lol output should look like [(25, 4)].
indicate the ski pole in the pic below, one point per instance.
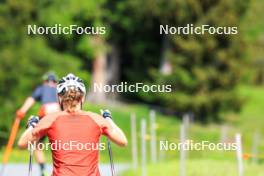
[(30, 158), (33, 120), (10, 144), (111, 157), (107, 114)]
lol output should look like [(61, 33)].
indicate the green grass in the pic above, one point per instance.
[(216, 163), (252, 114), (251, 118)]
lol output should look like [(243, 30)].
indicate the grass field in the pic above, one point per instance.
[(217, 163)]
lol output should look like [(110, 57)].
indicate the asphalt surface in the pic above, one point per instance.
[(22, 169)]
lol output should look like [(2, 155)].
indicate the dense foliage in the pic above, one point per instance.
[(206, 68)]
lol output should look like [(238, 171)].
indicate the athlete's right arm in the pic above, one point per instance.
[(110, 129), (114, 133)]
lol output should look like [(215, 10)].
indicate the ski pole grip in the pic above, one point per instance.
[(106, 114)]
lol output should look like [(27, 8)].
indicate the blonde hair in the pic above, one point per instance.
[(71, 99)]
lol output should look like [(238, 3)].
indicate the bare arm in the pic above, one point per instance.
[(26, 138), (34, 134), (27, 104), (114, 133), (109, 129)]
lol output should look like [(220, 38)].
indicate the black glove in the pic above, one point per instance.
[(106, 113), (32, 121)]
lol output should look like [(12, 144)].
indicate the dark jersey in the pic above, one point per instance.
[(45, 94)]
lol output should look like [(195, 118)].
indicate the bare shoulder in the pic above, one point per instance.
[(53, 116), (96, 117), (93, 114)]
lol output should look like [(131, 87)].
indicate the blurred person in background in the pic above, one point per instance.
[(47, 96), (73, 124)]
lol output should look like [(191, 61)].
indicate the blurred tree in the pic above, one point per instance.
[(253, 30), (24, 59), (204, 70), (90, 48)]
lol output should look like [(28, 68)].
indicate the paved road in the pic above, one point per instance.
[(22, 169)]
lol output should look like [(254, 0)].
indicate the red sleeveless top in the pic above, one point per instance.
[(74, 143)]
